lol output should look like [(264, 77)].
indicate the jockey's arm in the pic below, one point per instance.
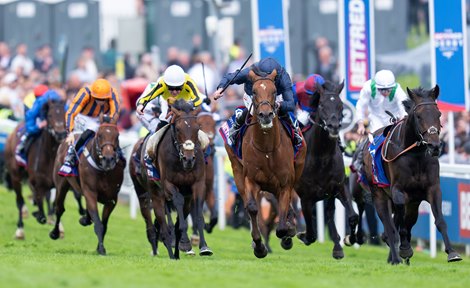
[(114, 105), (288, 103), (151, 92), (78, 103)]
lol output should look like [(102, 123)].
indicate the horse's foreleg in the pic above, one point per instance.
[(61, 192), (145, 210), (383, 207), (251, 206), (38, 196), (107, 210), (309, 236), (199, 190), (411, 216), (436, 206), (210, 201), (338, 252), (92, 208), (286, 227), (19, 234), (163, 229), (78, 198), (345, 197), (399, 201)]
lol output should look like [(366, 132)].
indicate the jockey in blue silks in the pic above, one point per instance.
[(283, 86), (306, 98), (34, 122)]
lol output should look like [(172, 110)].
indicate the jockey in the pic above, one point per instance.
[(377, 96), (306, 98), (283, 86), (175, 84), (34, 122), (30, 98), (83, 116)]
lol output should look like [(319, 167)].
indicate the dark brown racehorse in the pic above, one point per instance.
[(268, 163), (410, 159), (323, 177), (180, 160), (101, 172), (40, 162)]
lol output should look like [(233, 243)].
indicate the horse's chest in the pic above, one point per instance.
[(266, 173)]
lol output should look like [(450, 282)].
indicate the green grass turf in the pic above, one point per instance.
[(39, 261)]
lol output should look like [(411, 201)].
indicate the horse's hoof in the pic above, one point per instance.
[(190, 252), (19, 234), (84, 221), (302, 236), (338, 254), (185, 246), (407, 261), (260, 252), (205, 251), (101, 250), (406, 253), (54, 234), (287, 243), (348, 240), (454, 257), (195, 240)]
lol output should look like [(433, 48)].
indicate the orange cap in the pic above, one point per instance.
[(101, 89)]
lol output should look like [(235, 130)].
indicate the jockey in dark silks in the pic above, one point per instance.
[(283, 85), (35, 120)]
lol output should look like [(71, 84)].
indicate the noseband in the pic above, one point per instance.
[(431, 130), (264, 102), (182, 146)]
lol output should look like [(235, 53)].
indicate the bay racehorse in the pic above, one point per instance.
[(100, 176), (180, 161), (409, 157), (268, 163), (323, 177), (40, 162)]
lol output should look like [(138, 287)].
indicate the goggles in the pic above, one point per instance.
[(175, 88)]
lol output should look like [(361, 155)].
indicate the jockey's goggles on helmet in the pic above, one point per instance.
[(175, 88), (384, 90)]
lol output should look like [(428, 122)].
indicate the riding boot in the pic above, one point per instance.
[(298, 139), (70, 159), (161, 125), (152, 173), (20, 154), (237, 124)]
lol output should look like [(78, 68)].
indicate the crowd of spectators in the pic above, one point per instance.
[(20, 73)]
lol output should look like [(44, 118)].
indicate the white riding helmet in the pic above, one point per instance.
[(384, 79), (174, 76)]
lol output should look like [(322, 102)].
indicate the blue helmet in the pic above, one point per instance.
[(268, 64)]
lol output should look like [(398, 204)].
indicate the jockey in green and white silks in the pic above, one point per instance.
[(378, 95)]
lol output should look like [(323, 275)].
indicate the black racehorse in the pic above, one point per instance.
[(323, 177), (410, 161)]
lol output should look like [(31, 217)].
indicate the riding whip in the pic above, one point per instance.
[(230, 82), (207, 100)]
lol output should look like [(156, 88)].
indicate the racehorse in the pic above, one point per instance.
[(268, 163), (40, 162), (409, 157), (100, 176), (180, 160), (323, 177)]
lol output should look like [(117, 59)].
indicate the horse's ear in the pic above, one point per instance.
[(411, 94), (252, 75), (340, 87), (435, 92), (408, 104), (115, 118), (319, 88), (273, 75)]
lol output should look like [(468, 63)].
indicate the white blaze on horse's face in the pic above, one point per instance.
[(188, 145), (263, 86)]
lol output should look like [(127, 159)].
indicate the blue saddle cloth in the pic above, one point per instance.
[(378, 173), (237, 146)]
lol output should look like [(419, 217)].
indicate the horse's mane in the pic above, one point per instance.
[(183, 105), (419, 92)]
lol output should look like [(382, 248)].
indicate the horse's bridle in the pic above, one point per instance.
[(323, 123), (264, 102), (180, 146), (99, 149), (431, 130)]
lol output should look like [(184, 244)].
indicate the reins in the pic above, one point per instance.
[(431, 130)]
